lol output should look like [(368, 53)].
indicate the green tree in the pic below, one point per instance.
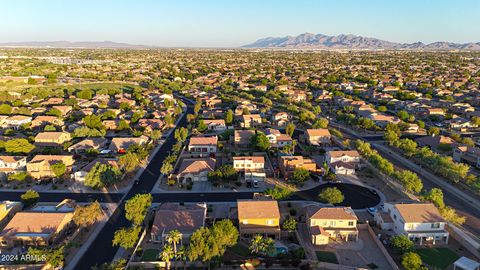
[(435, 196), (181, 134), (55, 257), (166, 255), (290, 224), (262, 245), (278, 193), (260, 142), (5, 109), (201, 126), (58, 168), (119, 264), (85, 94), (137, 207), (93, 121), (320, 123), (166, 168), (102, 175), (433, 131), (402, 243), (126, 237), (174, 237), (18, 146), (30, 197), (411, 261), (300, 175), (54, 112), (331, 195), (410, 181), (290, 129), (229, 117), (87, 215), (129, 162)]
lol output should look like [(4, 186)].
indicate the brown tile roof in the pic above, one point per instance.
[(339, 153), (339, 213), (196, 165), (419, 212), (185, 218), (318, 132), (11, 159), (250, 209), (34, 222), (203, 140), (51, 135)]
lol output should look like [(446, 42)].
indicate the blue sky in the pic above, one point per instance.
[(224, 23)]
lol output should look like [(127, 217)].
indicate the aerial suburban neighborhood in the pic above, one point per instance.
[(300, 152)]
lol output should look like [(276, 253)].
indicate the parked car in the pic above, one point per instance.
[(372, 210)]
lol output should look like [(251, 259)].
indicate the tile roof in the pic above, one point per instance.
[(251, 209)]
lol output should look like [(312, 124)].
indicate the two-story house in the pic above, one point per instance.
[(242, 138), (215, 125), (258, 217), (342, 162), (420, 222), (16, 121), (52, 139), (288, 164), (337, 223), (467, 154), (251, 120), (40, 165), (318, 136), (250, 168), (203, 144), (12, 164), (195, 169)]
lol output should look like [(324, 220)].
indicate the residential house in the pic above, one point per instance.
[(40, 165), (382, 120), (288, 164), (259, 217), (250, 168), (342, 162), (278, 139), (467, 154), (16, 121), (437, 142), (203, 145), (52, 139), (281, 119), (242, 138), (84, 145), (420, 222), (195, 169), (251, 120), (35, 229), (65, 110), (337, 223), (318, 136), (12, 164), (185, 218), (121, 144), (215, 125), (43, 120)]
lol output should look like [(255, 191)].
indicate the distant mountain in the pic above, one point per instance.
[(320, 41), (68, 44)]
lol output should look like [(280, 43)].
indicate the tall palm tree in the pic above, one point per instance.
[(174, 237), (256, 243), (166, 255)]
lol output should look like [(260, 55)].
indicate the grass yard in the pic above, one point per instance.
[(326, 256), (439, 258), (150, 255)]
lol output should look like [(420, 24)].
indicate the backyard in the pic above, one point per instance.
[(439, 258)]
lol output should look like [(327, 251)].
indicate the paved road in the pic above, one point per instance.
[(451, 199), (101, 250)]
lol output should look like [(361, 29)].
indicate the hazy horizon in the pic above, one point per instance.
[(215, 23)]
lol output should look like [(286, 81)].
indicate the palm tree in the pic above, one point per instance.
[(256, 243), (182, 256), (174, 237), (167, 255), (261, 245)]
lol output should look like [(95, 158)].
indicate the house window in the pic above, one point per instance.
[(394, 216), (350, 223), (245, 221), (269, 222), (435, 225)]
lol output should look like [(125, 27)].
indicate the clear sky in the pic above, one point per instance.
[(224, 23)]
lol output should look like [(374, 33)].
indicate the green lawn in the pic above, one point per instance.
[(440, 258), (325, 256), (240, 249), (150, 255)]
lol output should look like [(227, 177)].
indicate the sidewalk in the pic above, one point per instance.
[(111, 207)]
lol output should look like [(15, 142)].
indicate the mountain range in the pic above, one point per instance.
[(68, 44), (320, 41)]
